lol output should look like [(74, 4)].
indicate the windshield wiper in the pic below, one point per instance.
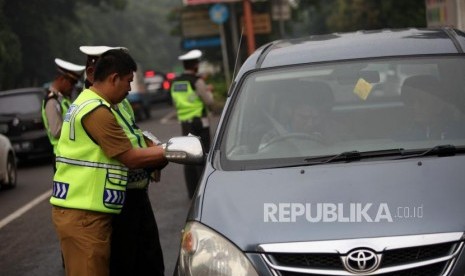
[(348, 156), (440, 150)]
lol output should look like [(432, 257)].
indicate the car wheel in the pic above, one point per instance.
[(11, 171)]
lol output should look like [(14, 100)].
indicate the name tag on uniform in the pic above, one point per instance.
[(180, 87), (70, 112)]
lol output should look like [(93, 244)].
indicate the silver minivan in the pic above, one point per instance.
[(338, 154)]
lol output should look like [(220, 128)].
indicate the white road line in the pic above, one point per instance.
[(16, 214)]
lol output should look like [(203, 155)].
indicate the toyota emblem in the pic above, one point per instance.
[(361, 261)]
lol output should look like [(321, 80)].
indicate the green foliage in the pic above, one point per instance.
[(327, 16), (143, 27), (34, 32), (40, 30), (220, 91), (10, 53), (352, 15)]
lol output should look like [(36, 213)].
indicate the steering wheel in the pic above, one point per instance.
[(293, 135)]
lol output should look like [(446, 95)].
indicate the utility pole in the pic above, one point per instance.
[(249, 26)]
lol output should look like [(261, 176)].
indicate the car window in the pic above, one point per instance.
[(23, 103), (325, 109), (154, 82)]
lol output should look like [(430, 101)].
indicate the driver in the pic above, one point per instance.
[(311, 104)]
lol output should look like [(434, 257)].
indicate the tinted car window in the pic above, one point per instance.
[(20, 103), (325, 109)]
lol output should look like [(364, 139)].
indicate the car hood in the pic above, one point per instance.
[(356, 200)]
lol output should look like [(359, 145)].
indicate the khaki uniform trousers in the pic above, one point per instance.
[(84, 239)]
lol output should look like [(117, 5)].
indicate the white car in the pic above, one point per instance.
[(7, 163)]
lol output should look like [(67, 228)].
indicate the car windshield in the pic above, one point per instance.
[(23, 103), (305, 111)]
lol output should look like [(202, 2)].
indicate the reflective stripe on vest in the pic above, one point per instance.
[(137, 178), (92, 180)]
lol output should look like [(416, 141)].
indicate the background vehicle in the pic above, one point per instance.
[(21, 120), (158, 85), (139, 98), (358, 191), (7, 163)]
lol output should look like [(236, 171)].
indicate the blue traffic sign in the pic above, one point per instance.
[(188, 44), (219, 13)]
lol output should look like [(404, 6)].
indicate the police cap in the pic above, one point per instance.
[(93, 52), (191, 55), (69, 69)]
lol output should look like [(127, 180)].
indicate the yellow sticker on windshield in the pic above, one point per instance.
[(363, 89)]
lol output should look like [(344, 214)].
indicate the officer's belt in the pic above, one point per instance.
[(138, 179)]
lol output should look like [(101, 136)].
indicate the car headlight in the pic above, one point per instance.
[(205, 252), (15, 122)]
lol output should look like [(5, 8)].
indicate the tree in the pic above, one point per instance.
[(352, 15), (143, 27), (10, 53), (327, 16), (41, 31)]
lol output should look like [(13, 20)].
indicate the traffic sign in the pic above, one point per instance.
[(219, 13), (195, 43)]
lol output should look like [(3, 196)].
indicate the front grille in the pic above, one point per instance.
[(416, 254), (320, 261), (423, 258), (428, 270)]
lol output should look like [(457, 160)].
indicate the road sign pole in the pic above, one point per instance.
[(219, 14), (224, 52)]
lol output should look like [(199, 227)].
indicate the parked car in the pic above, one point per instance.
[(139, 98), (7, 163), (347, 186), (158, 85), (21, 122)]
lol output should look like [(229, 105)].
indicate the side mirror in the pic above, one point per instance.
[(185, 150)]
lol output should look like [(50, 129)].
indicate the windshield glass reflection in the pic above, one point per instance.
[(327, 109)]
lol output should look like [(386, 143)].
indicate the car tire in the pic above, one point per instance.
[(11, 172)]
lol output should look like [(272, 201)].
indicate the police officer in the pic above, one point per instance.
[(93, 53), (94, 154), (135, 244), (192, 97), (58, 99)]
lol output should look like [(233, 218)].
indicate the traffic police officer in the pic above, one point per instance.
[(93, 53), (135, 244), (191, 97), (94, 154), (58, 99)]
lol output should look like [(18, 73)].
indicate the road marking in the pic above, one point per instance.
[(16, 214)]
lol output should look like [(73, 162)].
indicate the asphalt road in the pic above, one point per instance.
[(28, 241)]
